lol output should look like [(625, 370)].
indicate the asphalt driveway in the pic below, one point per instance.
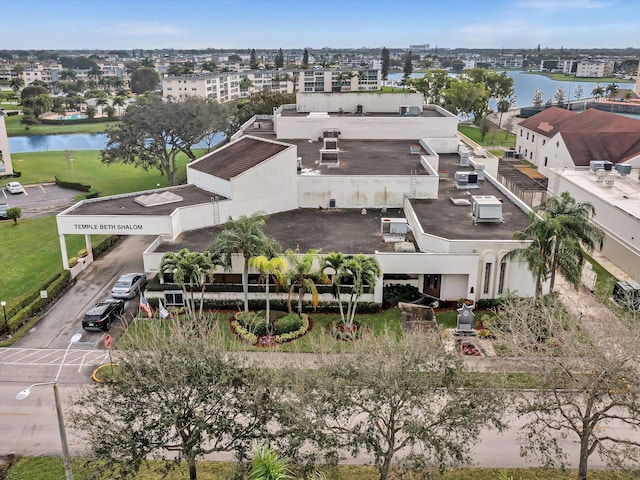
[(40, 200)]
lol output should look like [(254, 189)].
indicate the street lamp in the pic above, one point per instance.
[(4, 310), (63, 434)]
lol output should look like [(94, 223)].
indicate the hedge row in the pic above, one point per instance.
[(51, 121), (73, 185), (32, 304)]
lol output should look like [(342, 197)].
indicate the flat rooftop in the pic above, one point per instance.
[(425, 113), (624, 193), (326, 230), (362, 157), (126, 204), (441, 217)]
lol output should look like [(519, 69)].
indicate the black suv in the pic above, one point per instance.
[(103, 314)]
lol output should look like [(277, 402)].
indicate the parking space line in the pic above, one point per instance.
[(42, 188)]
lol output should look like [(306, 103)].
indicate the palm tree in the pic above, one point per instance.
[(94, 73), (68, 75), (91, 112), (334, 262), (612, 91), (290, 78), (574, 233), (188, 268), (102, 102), (119, 102), (269, 267), (362, 271), (597, 92), (560, 232), (244, 236), (111, 113), (16, 84), (301, 276)]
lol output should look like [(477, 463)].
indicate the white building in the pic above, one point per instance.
[(563, 144), (6, 168), (594, 69), (227, 86), (383, 175)]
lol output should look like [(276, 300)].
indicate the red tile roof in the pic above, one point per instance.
[(238, 157), (591, 135)]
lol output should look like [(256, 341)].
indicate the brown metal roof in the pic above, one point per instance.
[(546, 122), (238, 157), (615, 147)]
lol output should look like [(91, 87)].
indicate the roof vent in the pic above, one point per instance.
[(480, 170), (600, 174), (609, 180)]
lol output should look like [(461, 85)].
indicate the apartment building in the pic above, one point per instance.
[(594, 69), (227, 86)]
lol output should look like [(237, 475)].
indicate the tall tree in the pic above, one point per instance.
[(587, 383), (185, 396), (597, 92), (305, 59), (245, 236), (385, 61), (407, 68), (537, 98), (360, 272), (394, 394), (153, 132), (253, 60), (144, 79), (279, 61), (16, 84)]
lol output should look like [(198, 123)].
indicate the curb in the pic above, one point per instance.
[(94, 375)]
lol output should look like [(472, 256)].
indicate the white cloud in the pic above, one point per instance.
[(140, 29)]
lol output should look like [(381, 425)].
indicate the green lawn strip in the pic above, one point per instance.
[(570, 77), (86, 168), (46, 468), (30, 255), (15, 128), (502, 137)]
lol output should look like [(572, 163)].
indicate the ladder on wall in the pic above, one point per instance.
[(216, 210), (413, 184)]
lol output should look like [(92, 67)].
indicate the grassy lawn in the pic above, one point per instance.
[(30, 255), (14, 128), (572, 78), (501, 138), (316, 339), (113, 179), (45, 468)]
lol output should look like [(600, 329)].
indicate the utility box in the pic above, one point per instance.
[(486, 209)]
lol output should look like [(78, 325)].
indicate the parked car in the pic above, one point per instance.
[(14, 187), (129, 285), (103, 314), (3, 209)]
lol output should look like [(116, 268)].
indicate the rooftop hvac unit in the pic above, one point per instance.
[(480, 170), (330, 144), (609, 180), (299, 163), (594, 165), (409, 111), (330, 133), (466, 180), (404, 247), (600, 174), (623, 169), (486, 209)]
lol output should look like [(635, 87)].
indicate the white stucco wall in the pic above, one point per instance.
[(368, 127), (6, 167), (371, 102), (207, 182), (622, 228), (361, 191), (270, 186)]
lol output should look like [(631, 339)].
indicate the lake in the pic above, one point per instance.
[(78, 141), (525, 85)]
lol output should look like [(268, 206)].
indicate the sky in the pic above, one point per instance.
[(261, 24)]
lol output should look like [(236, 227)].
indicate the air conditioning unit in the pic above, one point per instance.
[(594, 165), (480, 170), (409, 111), (466, 180), (464, 157), (486, 209), (623, 169)]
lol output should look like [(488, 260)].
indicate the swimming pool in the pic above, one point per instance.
[(75, 116)]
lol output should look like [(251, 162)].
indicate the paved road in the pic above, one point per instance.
[(62, 320)]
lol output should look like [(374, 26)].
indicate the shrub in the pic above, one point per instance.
[(83, 253), (392, 294), (73, 185), (252, 322), (92, 195), (287, 324), (73, 261)]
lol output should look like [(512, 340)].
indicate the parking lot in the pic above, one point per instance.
[(40, 199)]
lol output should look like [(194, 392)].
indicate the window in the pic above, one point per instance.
[(544, 141), (546, 159), (487, 278), (527, 135), (531, 155), (173, 297), (503, 271), (557, 144), (533, 137)]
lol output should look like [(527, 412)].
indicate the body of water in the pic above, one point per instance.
[(526, 84), (78, 141)]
